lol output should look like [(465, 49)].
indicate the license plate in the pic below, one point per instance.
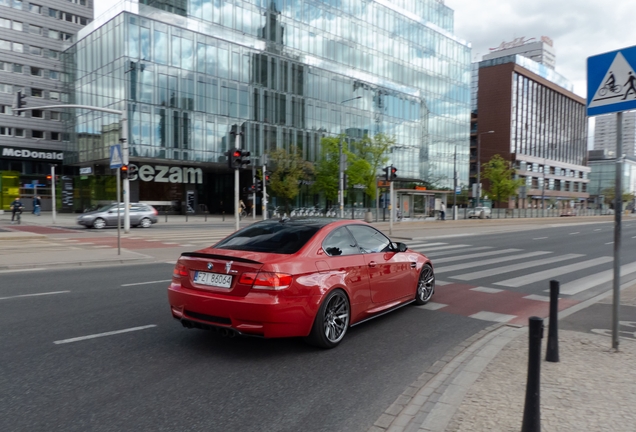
[(213, 279)]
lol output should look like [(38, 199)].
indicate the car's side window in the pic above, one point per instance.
[(340, 243), (369, 239)]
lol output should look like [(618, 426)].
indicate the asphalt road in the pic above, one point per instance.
[(166, 377)]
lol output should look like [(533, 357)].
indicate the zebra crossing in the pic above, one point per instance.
[(506, 285), (185, 238)]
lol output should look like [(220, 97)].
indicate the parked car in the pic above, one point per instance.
[(310, 278), (142, 215), (477, 213)]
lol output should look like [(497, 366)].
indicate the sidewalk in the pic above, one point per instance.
[(480, 385)]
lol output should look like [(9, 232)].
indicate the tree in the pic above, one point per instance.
[(500, 175), (610, 194), (373, 151), (288, 169), (326, 169)]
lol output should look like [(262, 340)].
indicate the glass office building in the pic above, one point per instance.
[(286, 72)]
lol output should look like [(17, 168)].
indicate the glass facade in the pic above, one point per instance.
[(288, 72)]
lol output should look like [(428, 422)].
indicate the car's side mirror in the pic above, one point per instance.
[(399, 247)]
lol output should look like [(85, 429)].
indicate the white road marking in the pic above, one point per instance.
[(578, 232), (537, 297), (492, 316), (472, 249), (547, 274), (432, 306), (514, 267), (609, 243), (598, 229), (81, 338), (171, 262), (477, 255), (587, 282), (438, 248), (487, 290), (34, 295), (488, 261), (185, 245), (22, 270), (146, 283), (539, 238)]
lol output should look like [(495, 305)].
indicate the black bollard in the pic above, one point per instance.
[(531, 411), (166, 212), (552, 353), (223, 213)]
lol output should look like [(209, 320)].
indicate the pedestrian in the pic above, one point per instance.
[(442, 212), (37, 203), (16, 207)]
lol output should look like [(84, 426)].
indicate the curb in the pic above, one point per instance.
[(430, 403), (93, 263)]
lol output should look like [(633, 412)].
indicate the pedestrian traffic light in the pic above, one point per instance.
[(387, 175), (243, 158), (19, 101), (124, 171), (393, 173), (237, 158)]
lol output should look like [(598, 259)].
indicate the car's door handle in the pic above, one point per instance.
[(372, 264), (413, 264)]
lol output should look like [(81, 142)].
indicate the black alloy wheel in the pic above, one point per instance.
[(425, 285), (332, 321)]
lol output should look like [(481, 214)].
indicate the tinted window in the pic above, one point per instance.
[(369, 239), (271, 238), (340, 242)]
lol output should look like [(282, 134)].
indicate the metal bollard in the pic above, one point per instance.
[(223, 213), (552, 353), (206, 216), (166, 212), (531, 411)]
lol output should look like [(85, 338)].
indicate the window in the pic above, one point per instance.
[(17, 68), (19, 133), (35, 51), (54, 75), (5, 44), (37, 134), (17, 26), (83, 21), (37, 92), (35, 8), (54, 95), (54, 54), (6, 88), (66, 36), (6, 23), (55, 136), (340, 242), (37, 113), (5, 131), (6, 109), (17, 4), (54, 34), (53, 13), (33, 29), (56, 115), (274, 237), (36, 71), (18, 47), (5, 67), (369, 239)]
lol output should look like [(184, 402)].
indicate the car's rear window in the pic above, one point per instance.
[(277, 238)]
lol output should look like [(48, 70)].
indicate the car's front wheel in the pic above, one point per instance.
[(145, 223), (332, 321), (99, 223), (425, 285)]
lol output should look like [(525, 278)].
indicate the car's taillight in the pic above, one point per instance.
[(179, 270), (154, 210), (266, 280)]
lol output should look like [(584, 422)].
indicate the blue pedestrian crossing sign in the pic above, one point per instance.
[(116, 161), (611, 82)]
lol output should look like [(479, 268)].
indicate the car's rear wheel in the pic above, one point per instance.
[(425, 285), (99, 223), (332, 321), (145, 223)]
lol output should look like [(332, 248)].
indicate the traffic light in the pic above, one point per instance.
[(387, 175), (237, 158), (124, 171), (393, 173), (49, 179), (19, 101), (266, 178)]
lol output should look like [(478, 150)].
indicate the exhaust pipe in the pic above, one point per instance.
[(227, 333)]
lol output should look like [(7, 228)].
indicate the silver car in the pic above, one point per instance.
[(142, 215), (479, 212)]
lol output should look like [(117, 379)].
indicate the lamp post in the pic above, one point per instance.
[(341, 164), (479, 164)]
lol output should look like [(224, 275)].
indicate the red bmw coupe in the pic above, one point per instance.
[(312, 278)]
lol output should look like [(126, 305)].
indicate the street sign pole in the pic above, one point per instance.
[(53, 193), (124, 155), (391, 208), (618, 201), (236, 186), (118, 211)]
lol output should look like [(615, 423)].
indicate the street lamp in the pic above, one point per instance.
[(341, 165), (479, 164)]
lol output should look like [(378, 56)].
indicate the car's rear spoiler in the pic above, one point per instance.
[(219, 257)]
